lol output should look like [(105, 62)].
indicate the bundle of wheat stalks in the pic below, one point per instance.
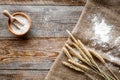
[(87, 62)]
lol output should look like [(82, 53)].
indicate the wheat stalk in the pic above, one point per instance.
[(72, 66), (72, 37), (81, 52), (67, 53), (81, 45), (95, 54), (78, 56), (86, 56), (77, 69), (111, 72), (103, 61), (74, 53), (83, 67)]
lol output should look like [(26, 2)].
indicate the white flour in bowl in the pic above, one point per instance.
[(22, 28)]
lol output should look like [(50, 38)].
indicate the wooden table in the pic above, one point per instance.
[(30, 57)]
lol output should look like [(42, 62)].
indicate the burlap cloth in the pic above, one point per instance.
[(98, 28)]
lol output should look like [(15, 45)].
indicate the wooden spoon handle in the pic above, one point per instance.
[(6, 13)]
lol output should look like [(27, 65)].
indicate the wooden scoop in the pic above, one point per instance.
[(12, 19)]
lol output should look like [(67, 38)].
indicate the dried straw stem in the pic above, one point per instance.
[(91, 77), (100, 58), (78, 56), (111, 72)]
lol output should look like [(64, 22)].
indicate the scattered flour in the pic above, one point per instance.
[(101, 29)]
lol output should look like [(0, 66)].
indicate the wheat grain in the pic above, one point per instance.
[(77, 69), (73, 38), (73, 52), (82, 53), (86, 57), (81, 45), (72, 66), (67, 53), (78, 56), (83, 67), (103, 61), (97, 56)]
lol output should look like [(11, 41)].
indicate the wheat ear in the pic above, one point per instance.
[(103, 61), (77, 69), (72, 66), (111, 72), (81, 45), (74, 53), (78, 56), (81, 52), (83, 67), (67, 53), (95, 54), (72, 37)]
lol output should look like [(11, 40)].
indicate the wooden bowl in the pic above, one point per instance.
[(28, 20)]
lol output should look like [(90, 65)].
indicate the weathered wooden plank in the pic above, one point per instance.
[(47, 21), (32, 53), (44, 2), (27, 63), (22, 74), (30, 57), (31, 44), (34, 57)]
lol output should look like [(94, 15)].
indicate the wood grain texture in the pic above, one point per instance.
[(30, 53), (30, 57), (28, 63), (22, 74), (47, 21), (44, 2)]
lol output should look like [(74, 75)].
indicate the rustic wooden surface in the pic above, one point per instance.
[(44, 2), (30, 57)]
